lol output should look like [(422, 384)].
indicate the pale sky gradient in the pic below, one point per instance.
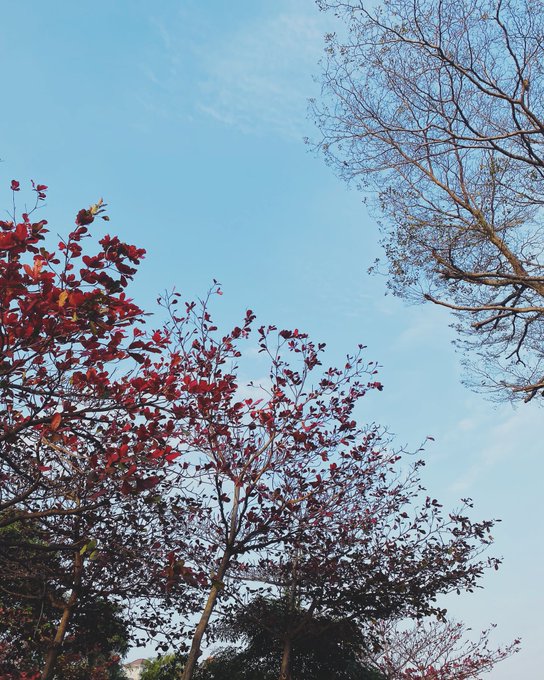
[(188, 117)]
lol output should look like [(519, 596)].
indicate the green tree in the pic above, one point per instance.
[(163, 667), (96, 644), (324, 648)]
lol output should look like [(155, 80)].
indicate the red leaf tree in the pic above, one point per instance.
[(137, 469), (382, 550), (286, 480), (76, 429), (435, 650)]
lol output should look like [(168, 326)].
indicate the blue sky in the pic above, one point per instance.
[(188, 118)]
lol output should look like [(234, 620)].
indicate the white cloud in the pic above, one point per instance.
[(498, 437), (255, 76), (259, 78), (425, 322)]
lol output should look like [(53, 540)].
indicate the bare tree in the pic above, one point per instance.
[(439, 106), (434, 650)]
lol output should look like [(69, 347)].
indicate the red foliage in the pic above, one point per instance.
[(435, 650), (142, 460), (283, 469), (78, 423), (64, 335)]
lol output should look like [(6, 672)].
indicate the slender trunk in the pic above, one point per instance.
[(54, 649), (194, 652), (217, 585), (285, 670)]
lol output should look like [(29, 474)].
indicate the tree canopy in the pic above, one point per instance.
[(142, 486), (321, 648), (436, 108)]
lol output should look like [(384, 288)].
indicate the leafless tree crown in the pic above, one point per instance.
[(437, 106)]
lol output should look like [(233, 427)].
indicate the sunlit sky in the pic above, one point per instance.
[(188, 117)]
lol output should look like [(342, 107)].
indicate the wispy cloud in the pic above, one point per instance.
[(259, 78), (254, 75), (498, 438), (426, 322)]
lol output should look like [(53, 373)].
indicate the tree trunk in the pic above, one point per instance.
[(194, 652), (217, 585), (54, 649), (285, 670)]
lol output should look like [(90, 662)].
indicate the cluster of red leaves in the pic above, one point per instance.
[(14, 664), (435, 650), (80, 426), (64, 322), (289, 470), (467, 668)]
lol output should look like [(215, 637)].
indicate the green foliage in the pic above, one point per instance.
[(232, 664), (27, 591), (163, 667), (322, 647)]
